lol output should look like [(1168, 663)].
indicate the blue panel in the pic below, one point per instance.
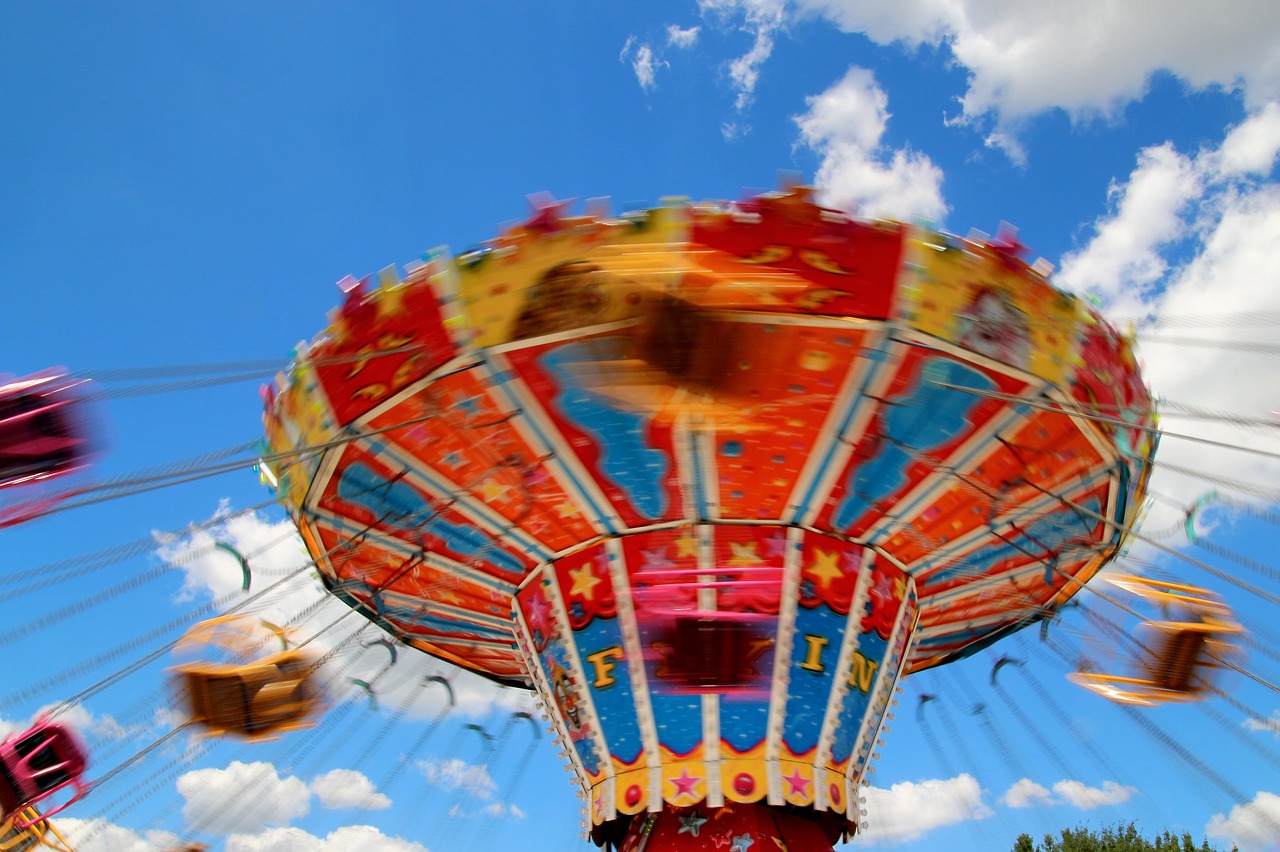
[(1043, 537), (873, 648), (679, 721), (927, 417), (811, 687), (401, 506), (743, 721), (613, 697), (625, 458), (556, 661)]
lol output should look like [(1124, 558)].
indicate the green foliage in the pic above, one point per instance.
[(1117, 838)]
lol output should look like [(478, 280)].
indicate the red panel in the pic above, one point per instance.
[(837, 267), (456, 427), (786, 386), (378, 344)]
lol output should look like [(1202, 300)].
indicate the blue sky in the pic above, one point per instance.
[(182, 183)]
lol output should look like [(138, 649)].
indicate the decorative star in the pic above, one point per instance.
[(686, 783), (656, 559), (722, 840), (692, 823), (390, 299), (742, 843), (882, 594), (584, 582), (798, 783), (566, 509), (538, 610), (547, 212), (468, 404), (743, 554), (686, 545), (491, 490), (824, 566), (775, 545), (852, 561)]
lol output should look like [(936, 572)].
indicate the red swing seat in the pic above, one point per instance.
[(41, 435), (35, 765)]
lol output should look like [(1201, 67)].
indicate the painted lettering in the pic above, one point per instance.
[(603, 662), (813, 659)]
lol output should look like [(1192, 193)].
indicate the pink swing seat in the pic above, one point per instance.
[(38, 763)]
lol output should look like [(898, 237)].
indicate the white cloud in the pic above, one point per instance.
[(1123, 260), (493, 810), (1251, 147), (1087, 798), (272, 550), (1088, 59), (1188, 251), (1253, 827), (677, 37), (845, 126), (909, 810), (98, 835), (243, 798), (347, 788), (644, 64), (454, 774), (365, 838), (1026, 794)]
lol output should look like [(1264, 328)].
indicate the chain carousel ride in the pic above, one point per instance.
[(712, 479)]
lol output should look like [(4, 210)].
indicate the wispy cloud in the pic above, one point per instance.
[(683, 39), (457, 774)]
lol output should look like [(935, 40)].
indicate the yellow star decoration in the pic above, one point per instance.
[(493, 490), (566, 509), (743, 554), (900, 589), (390, 300), (824, 567), (687, 545), (584, 582)]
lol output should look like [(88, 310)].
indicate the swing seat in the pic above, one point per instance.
[(1179, 662), (257, 700), (35, 765), (40, 432)]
